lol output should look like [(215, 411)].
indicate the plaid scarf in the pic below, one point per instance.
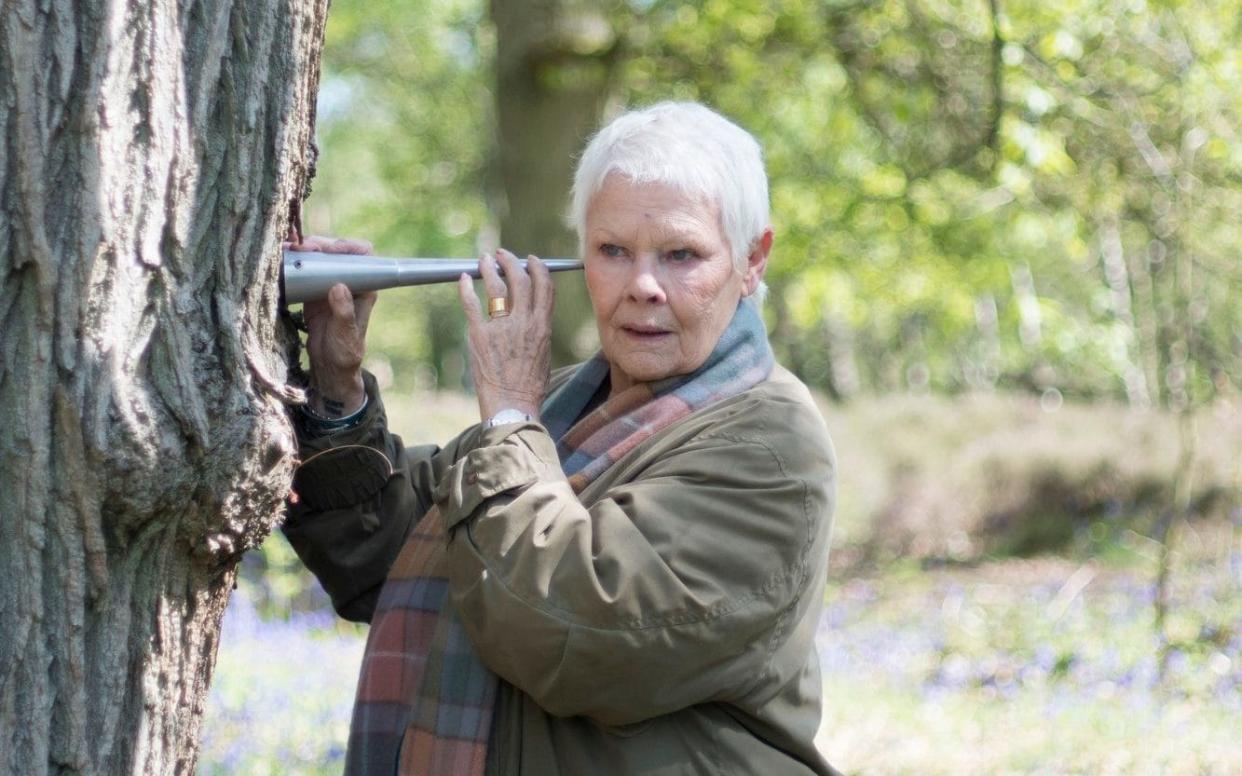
[(425, 700)]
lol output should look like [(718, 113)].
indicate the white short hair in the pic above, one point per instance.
[(689, 147)]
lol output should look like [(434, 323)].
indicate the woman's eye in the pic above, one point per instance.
[(681, 254), (608, 249)]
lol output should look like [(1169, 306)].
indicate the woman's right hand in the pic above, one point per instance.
[(336, 341)]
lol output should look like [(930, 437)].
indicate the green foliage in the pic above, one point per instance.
[(946, 175), (967, 194), (404, 132)]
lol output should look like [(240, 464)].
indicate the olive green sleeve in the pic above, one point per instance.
[(676, 588), (357, 493)]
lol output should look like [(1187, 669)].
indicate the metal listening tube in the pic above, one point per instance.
[(306, 276)]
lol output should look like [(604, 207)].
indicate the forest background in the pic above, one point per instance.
[(1007, 241)]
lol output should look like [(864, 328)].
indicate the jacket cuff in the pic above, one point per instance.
[(373, 414), (345, 468), (504, 458)]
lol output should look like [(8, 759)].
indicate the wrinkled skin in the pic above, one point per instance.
[(336, 341), (661, 278)]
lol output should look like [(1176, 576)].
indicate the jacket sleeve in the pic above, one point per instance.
[(676, 588), (358, 492)]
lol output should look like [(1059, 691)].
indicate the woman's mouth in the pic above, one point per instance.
[(645, 332)]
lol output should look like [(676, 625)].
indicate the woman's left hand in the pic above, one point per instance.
[(510, 355)]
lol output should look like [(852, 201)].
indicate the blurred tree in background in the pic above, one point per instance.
[(556, 61), (967, 195)]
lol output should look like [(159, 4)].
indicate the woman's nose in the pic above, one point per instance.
[(644, 283)]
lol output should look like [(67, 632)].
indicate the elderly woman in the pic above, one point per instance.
[(621, 568)]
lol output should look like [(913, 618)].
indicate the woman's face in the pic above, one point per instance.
[(661, 279)]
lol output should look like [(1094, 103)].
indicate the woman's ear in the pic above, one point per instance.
[(757, 262)]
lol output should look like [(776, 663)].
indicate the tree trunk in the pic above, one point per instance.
[(555, 61), (150, 152)]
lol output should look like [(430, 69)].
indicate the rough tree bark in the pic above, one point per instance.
[(149, 153), (555, 62)]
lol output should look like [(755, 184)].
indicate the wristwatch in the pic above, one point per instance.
[(507, 416)]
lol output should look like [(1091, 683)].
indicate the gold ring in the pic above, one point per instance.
[(497, 307)]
